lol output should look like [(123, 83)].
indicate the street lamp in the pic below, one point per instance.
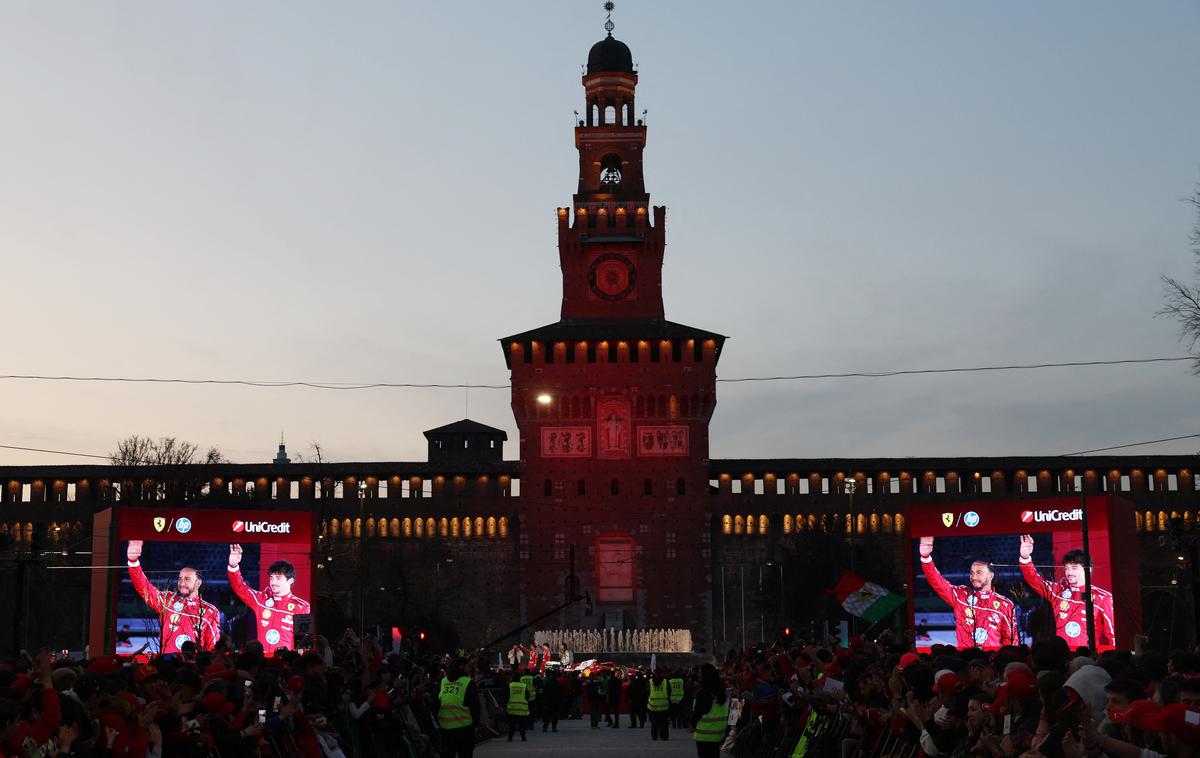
[(780, 565)]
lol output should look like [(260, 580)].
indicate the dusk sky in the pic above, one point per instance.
[(365, 192)]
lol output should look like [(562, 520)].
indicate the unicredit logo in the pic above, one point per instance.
[(1040, 517), (262, 527)]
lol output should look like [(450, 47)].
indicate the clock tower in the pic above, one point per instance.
[(613, 401)]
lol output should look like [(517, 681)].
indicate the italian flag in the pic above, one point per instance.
[(864, 599)]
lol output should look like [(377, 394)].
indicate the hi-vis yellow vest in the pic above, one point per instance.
[(658, 697), (711, 726), (452, 710), (517, 704), (676, 691), (530, 692)]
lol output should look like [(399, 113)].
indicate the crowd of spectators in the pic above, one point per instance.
[(869, 698), (880, 699), (340, 699)]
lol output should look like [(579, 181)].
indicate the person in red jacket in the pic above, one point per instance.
[(183, 615), (275, 608), (982, 616), (1066, 596), (17, 735)]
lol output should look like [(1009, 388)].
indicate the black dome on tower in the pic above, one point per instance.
[(610, 54)]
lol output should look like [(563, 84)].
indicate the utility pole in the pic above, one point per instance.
[(362, 560), (1089, 606), (742, 571)]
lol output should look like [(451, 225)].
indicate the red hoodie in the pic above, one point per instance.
[(39, 731)]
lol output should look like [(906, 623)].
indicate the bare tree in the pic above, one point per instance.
[(1181, 301), (136, 450)]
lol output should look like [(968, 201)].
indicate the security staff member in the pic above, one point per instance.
[(710, 714), (657, 705), (517, 709), (675, 698), (457, 711)]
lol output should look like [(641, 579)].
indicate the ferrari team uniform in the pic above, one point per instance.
[(1070, 609), (274, 615), (182, 619), (982, 618)]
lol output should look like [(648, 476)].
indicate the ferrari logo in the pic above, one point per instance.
[(160, 523), (947, 519)]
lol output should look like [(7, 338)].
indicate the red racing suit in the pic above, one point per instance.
[(982, 618), (274, 615), (1070, 610), (182, 619)]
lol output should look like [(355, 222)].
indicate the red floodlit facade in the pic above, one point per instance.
[(613, 401)]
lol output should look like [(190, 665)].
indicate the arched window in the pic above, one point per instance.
[(371, 527), (466, 530), (581, 488), (444, 527), (680, 487), (625, 114), (395, 528), (763, 524), (787, 523), (614, 487), (491, 526), (454, 527), (610, 114), (504, 526), (647, 487), (346, 528), (899, 521), (420, 531), (383, 527), (727, 524), (610, 170), (478, 526), (408, 527), (751, 524), (595, 115), (739, 525)]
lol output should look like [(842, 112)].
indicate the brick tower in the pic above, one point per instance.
[(613, 401)]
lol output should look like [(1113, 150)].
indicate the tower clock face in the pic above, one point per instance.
[(612, 276)]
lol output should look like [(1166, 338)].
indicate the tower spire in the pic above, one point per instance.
[(608, 23)]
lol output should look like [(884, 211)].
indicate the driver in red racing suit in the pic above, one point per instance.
[(183, 616), (982, 616), (275, 607), (1067, 597)]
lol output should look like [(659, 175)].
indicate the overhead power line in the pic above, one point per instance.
[(1077, 452), (53, 452), (471, 386), (1134, 444), (954, 370)]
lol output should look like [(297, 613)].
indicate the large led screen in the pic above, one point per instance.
[(192, 576), (988, 574)]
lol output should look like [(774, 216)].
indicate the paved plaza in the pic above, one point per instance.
[(577, 738)]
